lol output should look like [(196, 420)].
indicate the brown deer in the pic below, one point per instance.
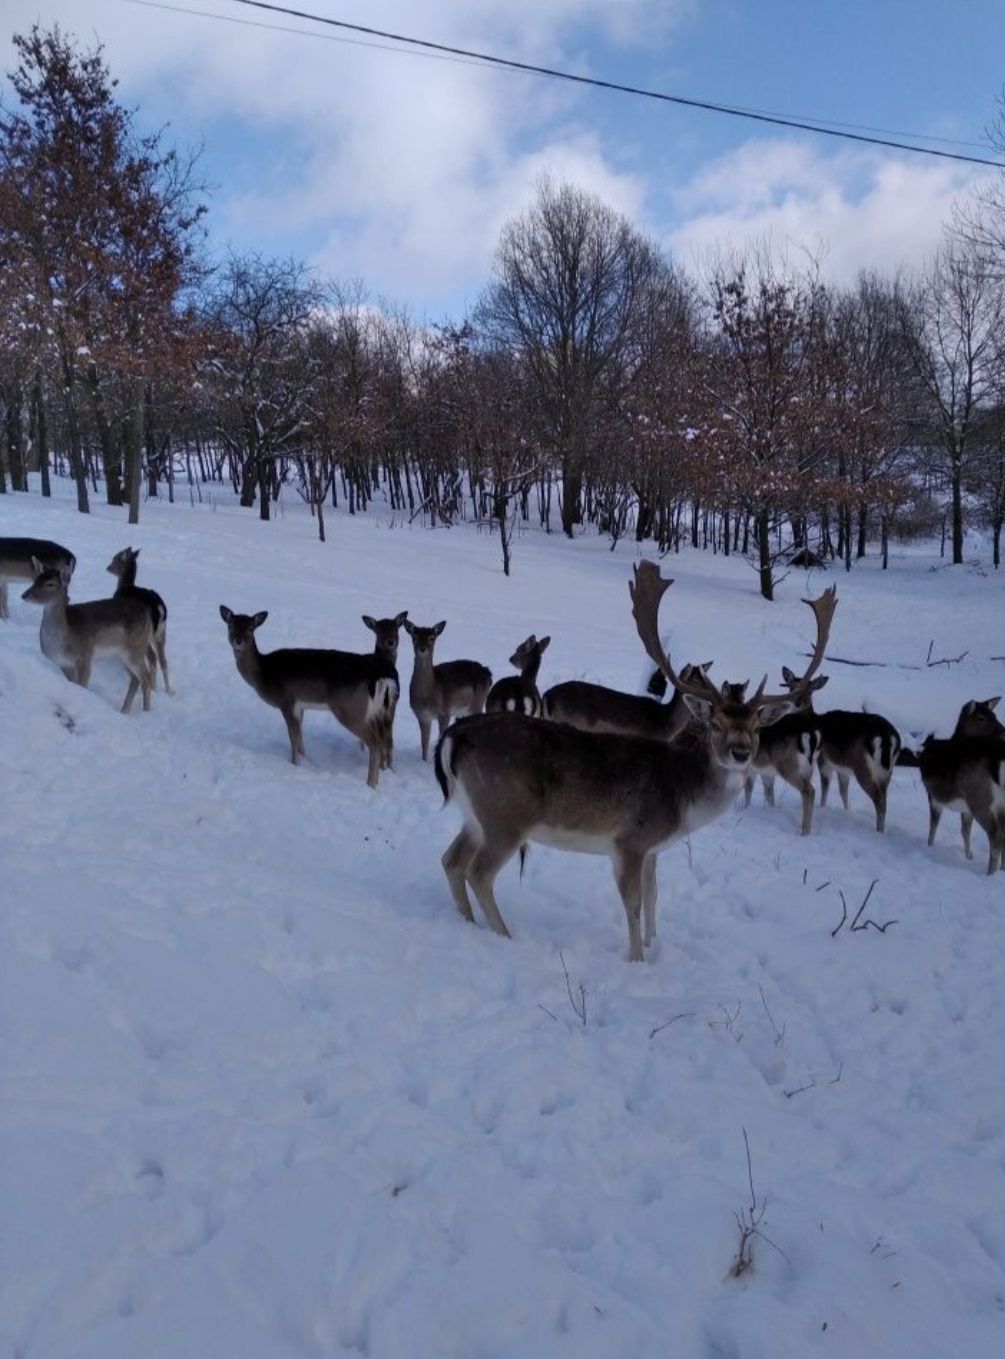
[(123, 568), (73, 634), (18, 557), (517, 779), (860, 745), (519, 693), (360, 691), (595, 707), (385, 644), (788, 749), (965, 773), (443, 691)]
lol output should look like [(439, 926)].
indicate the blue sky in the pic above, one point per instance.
[(400, 170)]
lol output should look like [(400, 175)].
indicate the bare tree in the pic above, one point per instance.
[(570, 278), (952, 321)]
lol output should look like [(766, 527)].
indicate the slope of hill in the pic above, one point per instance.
[(266, 1095)]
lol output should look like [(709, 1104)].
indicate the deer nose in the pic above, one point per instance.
[(741, 754)]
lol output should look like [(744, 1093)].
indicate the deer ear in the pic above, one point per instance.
[(370, 623), (698, 707), (135, 551), (409, 628), (543, 644), (439, 627), (819, 682), (65, 572), (771, 712), (37, 566), (992, 703), (787, 675), (225, 613), (259, 618), (400, 618)]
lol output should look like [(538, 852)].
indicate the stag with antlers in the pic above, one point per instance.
[(518, 779)]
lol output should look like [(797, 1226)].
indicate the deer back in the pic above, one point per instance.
[(17, 556)]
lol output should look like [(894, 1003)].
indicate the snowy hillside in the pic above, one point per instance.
[(265, 1095)]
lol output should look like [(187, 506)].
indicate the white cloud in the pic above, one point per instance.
[(858, 208), (406, 168)]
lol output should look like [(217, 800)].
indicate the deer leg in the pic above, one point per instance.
[(82, 675), (843, 781), (875, 791), (456, 862), (996, 842), (152, 662), (768, 784), (966, 826), (4, 610), (825, 780), (295, 731), (482, 872), (934, 816), (70, 671), (424, 729), (649, 898), (134, 684), (627, 867), (748, 790), (161, 644), (375, 747)]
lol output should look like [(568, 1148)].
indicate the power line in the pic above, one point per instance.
[(487, 62), (596, 82)]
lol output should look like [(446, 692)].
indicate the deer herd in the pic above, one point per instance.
[(581, 767)]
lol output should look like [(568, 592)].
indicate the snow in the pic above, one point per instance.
[(265, 1094)]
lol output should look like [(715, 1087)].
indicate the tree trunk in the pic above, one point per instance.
[(263, 490), (77, 464), (106, 438), (764, 554), (572, 494), (133, 441), (41, 436), (957, 491), (863, 515)]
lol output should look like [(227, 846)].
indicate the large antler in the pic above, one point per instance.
[(823, 610), (647, 589)]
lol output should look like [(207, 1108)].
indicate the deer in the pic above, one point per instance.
[(519, 693), (863, 745), (788, 749), (123, 568), (595, 707), (386, 632), (518, 779), (385, 644), (444, 691), (359, 690), (964, 773), (73, 634), (17, 563)]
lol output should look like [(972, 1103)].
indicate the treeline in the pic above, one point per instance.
[(753, 410)]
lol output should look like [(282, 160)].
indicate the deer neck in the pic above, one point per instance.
[(530, 671), (423, 685), (249, 665), (55, 626), (127, 577)]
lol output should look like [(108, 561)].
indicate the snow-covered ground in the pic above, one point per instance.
[(265, 1095)]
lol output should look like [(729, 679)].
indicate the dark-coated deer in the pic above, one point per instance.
[(519, 693), (385, 644), (72, 635), (445, 691), (863, 746), (360, 691), (123, 568), (788, 749), (965, 774), (18, 557), (517, 779), (595, 707)]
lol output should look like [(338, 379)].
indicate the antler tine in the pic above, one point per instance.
[(647, 588), (823, 610)]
